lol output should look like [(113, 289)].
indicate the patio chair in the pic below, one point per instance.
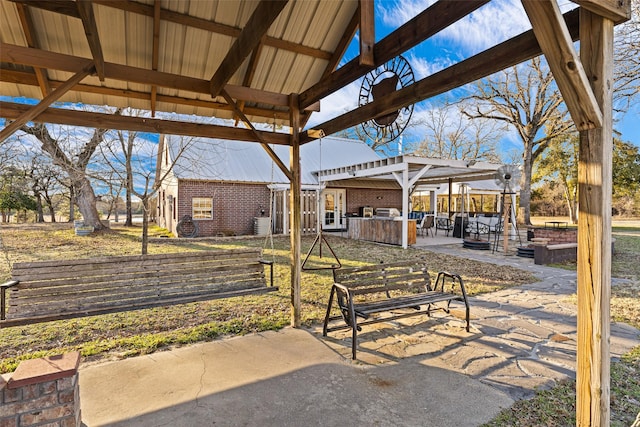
[(444, 223), (426, 224)]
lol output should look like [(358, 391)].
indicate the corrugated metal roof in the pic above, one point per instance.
[(240, 161), (125, 30)]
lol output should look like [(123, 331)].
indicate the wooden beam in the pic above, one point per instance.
[(257, 26), (64, 7), (367, 33), (141, 124), (85, 10), (428, 23), (25, 78), (214, 27), (251, 71), (270, 152), (34, 111), (155, 53), (554, 39), (504, 55), (57, 61), (296, 213), (616, 10), (338, 53), (594, 230), (29, 30)]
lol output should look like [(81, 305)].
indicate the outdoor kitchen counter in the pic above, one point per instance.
[(382, 230)]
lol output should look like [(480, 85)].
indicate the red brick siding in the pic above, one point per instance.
[(358, 197), (557, 236), (235, 205)]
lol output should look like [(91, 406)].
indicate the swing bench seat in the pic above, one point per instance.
[(63, 289)]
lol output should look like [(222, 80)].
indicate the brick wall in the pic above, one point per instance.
[(235, 205), (358, 197), (42, 392), (556, 235)]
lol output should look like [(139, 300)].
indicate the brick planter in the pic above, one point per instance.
[(42, 392)]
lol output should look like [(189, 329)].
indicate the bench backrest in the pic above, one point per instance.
[(66, 288), (404, 275)]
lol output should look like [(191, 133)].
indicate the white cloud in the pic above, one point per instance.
[(336, 104), (492, 23), (423, 67), (396, 13)]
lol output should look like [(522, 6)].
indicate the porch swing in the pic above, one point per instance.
[(320, 239)]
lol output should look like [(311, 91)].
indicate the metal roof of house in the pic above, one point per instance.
[(241, 161)]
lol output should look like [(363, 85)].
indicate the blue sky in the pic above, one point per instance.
[(472, 35)]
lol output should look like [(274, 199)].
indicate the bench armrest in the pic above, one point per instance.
[(3, 296), (270, 264), (455, 278)]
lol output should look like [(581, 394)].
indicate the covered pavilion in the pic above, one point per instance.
[(274, 60)]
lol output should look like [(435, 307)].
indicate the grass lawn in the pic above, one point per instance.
[(132, 333), (121, 335)]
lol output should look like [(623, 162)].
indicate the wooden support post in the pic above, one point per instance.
[(405, 206), (296, 215), (594, 229), (367, 33)]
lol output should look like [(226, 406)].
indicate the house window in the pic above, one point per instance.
[(202, 208)]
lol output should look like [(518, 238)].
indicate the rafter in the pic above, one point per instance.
[(274, 157), (67, 7), (564, 62), (499, 57), (617, 10), (57, 61), (425, 25), (141, 124), (85, 10), (34, 111), (29, 34), (155, 52), (256, 27), (251, 71), (338, 54), (367, 33), (25, 78), (215, 27)]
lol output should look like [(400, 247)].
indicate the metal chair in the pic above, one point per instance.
[(443, 223), (426, 224)]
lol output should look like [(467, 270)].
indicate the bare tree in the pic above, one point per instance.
[(75, 166), (452, 135), (627, 60), (131, 161), (558, 166), (526, 99)]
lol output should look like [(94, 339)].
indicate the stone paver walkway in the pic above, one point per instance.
[(521, 339)]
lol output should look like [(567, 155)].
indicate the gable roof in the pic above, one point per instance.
[(242, 161)]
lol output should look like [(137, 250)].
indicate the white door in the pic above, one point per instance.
[(332, 207)]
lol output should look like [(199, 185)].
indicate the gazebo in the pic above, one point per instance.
[(274, 60)]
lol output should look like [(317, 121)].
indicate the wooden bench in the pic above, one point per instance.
[(63, 289), (401, 289)]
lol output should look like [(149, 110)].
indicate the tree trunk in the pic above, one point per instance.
[(72, 203), (86, 200), (129, 209), (525, 185), (52, 212), (39, 209), (145, 225)]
